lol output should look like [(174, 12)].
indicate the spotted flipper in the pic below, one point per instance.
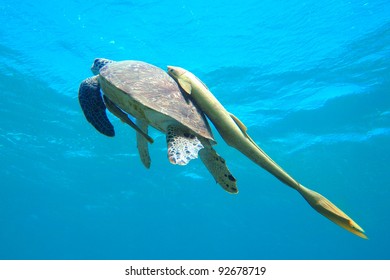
[(93, 107), (183, 146), (217, 167), (142, 144)]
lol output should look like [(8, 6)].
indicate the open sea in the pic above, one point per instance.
[(310, 79)]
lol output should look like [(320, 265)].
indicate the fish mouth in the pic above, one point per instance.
[(175, 71)]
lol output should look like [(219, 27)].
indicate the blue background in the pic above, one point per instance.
[(310, 79)]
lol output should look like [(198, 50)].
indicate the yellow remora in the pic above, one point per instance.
[(234, 132)]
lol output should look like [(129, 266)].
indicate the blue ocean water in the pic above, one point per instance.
[(310, 79)]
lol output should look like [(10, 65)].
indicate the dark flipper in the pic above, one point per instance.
[(92, 104)]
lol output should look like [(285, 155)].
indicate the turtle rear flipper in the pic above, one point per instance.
[(93, 107), (218, 168)]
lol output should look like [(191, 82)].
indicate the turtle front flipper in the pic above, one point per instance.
[(218, 168), (183, 146), (93, 107), (142, 145)]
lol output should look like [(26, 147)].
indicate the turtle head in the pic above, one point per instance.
[(175, 72), (98, 63)]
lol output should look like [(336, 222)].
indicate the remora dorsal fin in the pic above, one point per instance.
[(239, 123), (244, 129)]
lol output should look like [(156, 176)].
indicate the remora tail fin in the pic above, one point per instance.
[(326, 208)]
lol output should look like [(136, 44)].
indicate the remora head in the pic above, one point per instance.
[(180, 75), (175, 72), (98, 63)]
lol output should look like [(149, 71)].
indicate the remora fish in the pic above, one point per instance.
[(234, 132)]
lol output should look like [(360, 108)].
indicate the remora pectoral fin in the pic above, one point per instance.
[(185, 85)]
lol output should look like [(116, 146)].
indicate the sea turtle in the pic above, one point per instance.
[(153, 98)]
